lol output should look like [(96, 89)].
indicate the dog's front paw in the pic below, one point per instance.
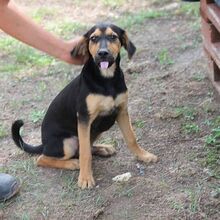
[(86, 181), (147, 157)]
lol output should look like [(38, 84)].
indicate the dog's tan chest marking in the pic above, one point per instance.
[(102, 105)]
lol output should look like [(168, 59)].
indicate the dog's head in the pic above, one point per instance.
[(103, 43)]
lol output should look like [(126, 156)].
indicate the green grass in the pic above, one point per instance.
[(21, 57), (66, 28), (108, 141), (37, 115), (29, 56), (42, 87), (164, 57), (190, 128), (6, 43), (113, 3), (212, 148), (187, 113), (125, 190), (127, 21), (3, 131), (9, 68), (139, 123), (25, 216), (43, 13), (26, 167), (21, 53), (194, 196), (177, 206), (191, 9), (198, 77)]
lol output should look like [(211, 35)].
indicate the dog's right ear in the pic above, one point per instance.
[(81, 49)]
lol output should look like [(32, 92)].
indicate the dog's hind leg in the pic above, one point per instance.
[(45, 161), (69, 148), (103, 150)]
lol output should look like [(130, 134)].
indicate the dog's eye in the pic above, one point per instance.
[(94, 38), (113, 37)]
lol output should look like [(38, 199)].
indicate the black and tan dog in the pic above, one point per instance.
[(86, 107)]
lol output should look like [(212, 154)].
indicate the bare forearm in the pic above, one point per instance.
[(21, 27)]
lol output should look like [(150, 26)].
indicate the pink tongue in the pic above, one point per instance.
[(104, 65)]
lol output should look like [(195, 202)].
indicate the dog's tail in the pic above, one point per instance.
[(15, 132)]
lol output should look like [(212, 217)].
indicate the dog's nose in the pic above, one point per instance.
[(103, 52)]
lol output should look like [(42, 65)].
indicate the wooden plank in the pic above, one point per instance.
[(203, 8), (210, 14), (214, 50), (213, 69), (213, 14), (209, 32)]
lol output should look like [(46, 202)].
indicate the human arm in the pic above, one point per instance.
[(15, 23)]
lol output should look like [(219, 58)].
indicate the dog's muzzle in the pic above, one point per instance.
[(104, 59)]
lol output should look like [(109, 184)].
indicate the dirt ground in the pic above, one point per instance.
[(171, 102)]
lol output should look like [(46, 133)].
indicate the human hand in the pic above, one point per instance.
[(78, 59)]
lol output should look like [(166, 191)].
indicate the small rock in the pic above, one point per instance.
[(141, 169), (215, 194), (122, 178)]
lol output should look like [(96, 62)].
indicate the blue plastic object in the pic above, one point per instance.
[(217, 2)]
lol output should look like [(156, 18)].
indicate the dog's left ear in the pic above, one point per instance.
[(128, 45), (81, 49)]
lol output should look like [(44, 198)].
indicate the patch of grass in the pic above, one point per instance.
[(70, 182), (113, 3), (27, 56), (198, 77), (100, 201), (108, 140), (71, 193), (123, 53), (194, 196), (164, 57), (23, 54), (187, 112), (42, 87), (9, 68), (125, 190), (129, 20), (216, 121), (67, 28), (189, 9), (212, 158), (190, 128), (25, 167), (43, 13), (177, 206), (6, 43), (3, 131), (187, 44), (37, 115), (20, 59), (25, 216), (139, 123)]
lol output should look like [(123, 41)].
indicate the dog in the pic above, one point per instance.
[(86, 107)]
